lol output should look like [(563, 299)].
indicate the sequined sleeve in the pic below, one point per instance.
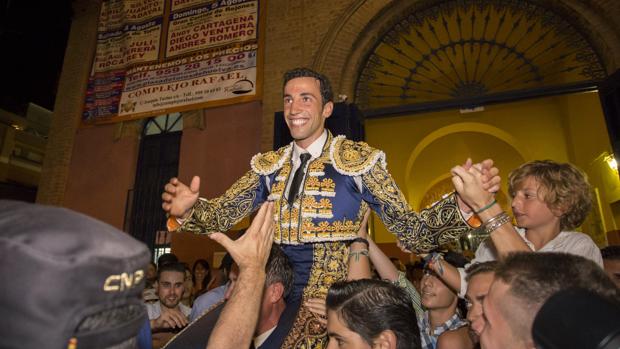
[(421, 232), (222, 213)]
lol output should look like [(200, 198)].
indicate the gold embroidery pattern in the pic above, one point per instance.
[(316, 168), (332, 231), (312, 183), (269, 162), (340, 230), (354, 158), (329, 265), (312, 208), (221, 213), (422, 232), (327, 184), (282, 215)]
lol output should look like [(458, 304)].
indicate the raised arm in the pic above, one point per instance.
[(447, 272), (496, 222), (421, 232), (359, 264), (222, 213), (235, 326)]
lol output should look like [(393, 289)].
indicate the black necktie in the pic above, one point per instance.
[(297, 177)]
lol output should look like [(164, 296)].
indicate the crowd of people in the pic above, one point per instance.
[(306, 273)]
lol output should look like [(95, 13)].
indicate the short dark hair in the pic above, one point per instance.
[(369, 307), (455, 258), (226, 264), (327, 95), (176, 266), (166, 258), (279, 269), (611, 252), (534, 277), (479, 268)]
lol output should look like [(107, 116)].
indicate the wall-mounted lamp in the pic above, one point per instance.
[(611, 162)]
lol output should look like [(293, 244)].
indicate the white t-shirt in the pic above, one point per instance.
[(567, 241)]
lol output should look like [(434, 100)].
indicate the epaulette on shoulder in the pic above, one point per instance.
[(269, 162), (354, 158)]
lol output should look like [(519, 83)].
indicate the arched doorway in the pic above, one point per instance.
[(531, 69)]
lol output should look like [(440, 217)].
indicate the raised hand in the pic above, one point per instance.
[(251, 250), (489, 180), (363, 231), (490, 175), (179, 198), (470, 187)]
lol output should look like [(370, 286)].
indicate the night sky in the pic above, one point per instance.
[(33, 38)]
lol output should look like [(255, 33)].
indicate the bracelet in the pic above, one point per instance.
[(432, 260), (486, 207), (494, 218), (492, 224), (357, 254), (362, 240)]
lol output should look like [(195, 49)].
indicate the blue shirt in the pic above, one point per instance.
[(206, 301), (145, 341)]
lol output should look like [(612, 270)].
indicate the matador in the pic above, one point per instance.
[(337, 180)]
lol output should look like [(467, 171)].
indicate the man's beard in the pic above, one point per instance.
[(171, 304)]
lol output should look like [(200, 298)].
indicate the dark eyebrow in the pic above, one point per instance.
[(308, 94)]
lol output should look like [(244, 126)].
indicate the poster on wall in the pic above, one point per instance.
[(155, 57)]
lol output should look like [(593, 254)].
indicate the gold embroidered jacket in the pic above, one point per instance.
[(330, 206)]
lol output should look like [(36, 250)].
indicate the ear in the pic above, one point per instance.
[(559, 211), (328, 108), (276, 291), (385, 340)]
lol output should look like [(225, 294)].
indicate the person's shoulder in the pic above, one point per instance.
[(353, 158), (152, 305), (209, 298), (271, 161), (205, 297), (580, 244), (455, 339), (152, 310), (577, 237)]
